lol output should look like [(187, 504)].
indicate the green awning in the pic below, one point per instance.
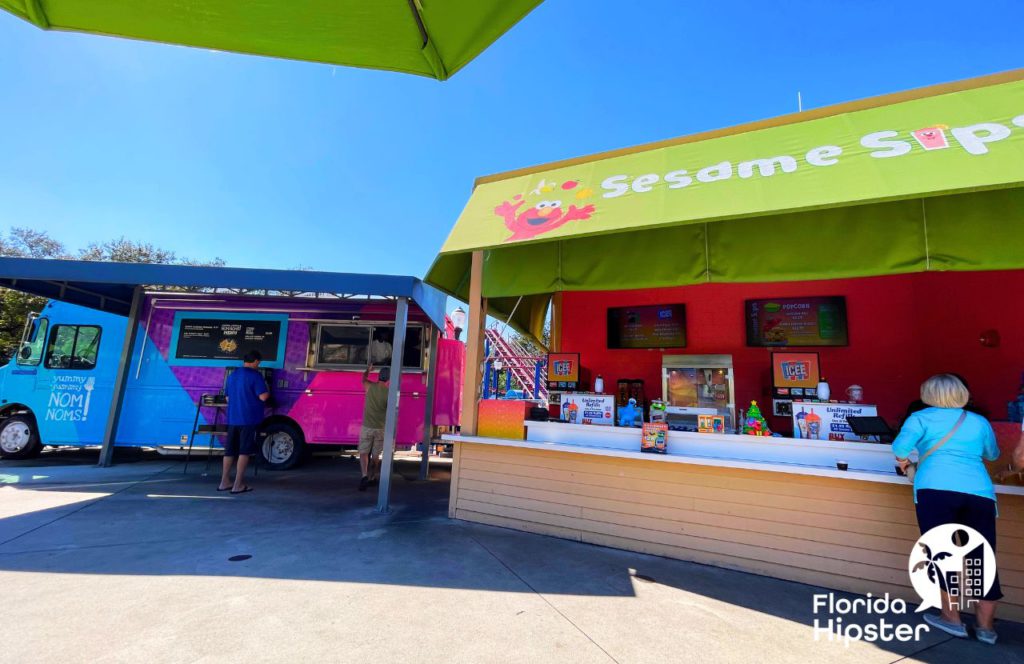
[(432, 38), (931, 179)]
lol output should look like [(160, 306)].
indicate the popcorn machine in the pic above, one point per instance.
[(694, 385)]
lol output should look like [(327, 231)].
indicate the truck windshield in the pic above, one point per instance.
[(31, 351)]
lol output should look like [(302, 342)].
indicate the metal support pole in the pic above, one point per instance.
[(121, 380), (536, 379), (428, 416), (394, 392)]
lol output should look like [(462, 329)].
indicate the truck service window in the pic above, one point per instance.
[(381, 347), (73, 347), (342, 345), (356, 346), (31, 351)]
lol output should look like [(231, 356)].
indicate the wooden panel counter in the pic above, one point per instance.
[(771, 506)]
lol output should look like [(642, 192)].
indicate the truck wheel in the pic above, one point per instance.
[(19, 438), (281, 446)]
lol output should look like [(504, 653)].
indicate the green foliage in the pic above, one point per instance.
[(529, 344), (15, 306), (123, 250)]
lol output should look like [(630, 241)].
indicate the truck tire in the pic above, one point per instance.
[(19, 438), (281, 445)]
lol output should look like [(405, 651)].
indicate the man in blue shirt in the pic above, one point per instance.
[(246, 392)]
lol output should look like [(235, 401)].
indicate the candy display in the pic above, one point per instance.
[(654, 438)]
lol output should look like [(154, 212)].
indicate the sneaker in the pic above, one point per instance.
[(953, 629), (988, 636), (364, 482)]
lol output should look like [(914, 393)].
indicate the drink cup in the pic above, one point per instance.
[(931, 138), (842, 465)]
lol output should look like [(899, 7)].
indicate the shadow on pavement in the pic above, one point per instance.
[(148, 518)]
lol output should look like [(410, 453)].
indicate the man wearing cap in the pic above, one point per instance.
[(371, 435)]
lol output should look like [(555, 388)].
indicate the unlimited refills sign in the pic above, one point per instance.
[(959, 141)]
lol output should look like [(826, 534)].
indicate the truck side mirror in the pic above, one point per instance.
[(26, 352)]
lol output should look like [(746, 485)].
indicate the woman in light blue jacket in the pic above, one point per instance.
[(952, 484)]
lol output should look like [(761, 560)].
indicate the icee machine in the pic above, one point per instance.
[(693, 385)]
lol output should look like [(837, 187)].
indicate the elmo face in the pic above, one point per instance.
[(538, 219)]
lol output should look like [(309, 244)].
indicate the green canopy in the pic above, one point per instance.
[(930, 179), (432, 38)]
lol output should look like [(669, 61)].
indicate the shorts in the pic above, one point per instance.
[(936, 507), (371, 441), (241, 440)]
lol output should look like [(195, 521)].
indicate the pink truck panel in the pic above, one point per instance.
[(331, 409)]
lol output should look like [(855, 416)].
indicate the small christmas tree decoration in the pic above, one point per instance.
[(754, 423)]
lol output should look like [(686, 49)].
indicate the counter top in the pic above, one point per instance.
[(868, 462)]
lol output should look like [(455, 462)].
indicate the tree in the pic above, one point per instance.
[(29, 243), (528, 344), (16, 306), (124, 250)]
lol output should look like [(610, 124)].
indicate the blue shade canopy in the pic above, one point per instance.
[(109, 286)]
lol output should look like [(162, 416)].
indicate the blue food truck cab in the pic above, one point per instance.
[(60, 382)]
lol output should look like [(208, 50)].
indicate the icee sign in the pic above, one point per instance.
[(69, 399)]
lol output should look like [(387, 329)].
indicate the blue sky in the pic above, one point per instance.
[(272, 163)]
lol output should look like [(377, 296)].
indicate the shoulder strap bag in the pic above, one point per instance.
[(912, 468)]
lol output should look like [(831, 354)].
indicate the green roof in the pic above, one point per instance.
[(432, 38), (929, 179)]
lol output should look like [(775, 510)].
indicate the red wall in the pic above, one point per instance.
[(902, 329)]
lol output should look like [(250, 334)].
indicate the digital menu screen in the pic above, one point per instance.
[(223, 338), (650, 326), (797, 321), (213, 339)]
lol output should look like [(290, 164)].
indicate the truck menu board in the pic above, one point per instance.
[(651, 326), (797, 321), (222, 338)]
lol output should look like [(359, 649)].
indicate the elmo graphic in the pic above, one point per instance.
[(541, 217)]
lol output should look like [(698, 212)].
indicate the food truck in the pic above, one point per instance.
[(57, 390), (763, 286)]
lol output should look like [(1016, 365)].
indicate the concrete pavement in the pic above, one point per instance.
[(135, 563)]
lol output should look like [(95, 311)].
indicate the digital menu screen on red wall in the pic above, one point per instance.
[(797, 321), (650, 326)]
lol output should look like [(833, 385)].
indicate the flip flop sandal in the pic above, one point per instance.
[(227, 488), (245, 490)]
